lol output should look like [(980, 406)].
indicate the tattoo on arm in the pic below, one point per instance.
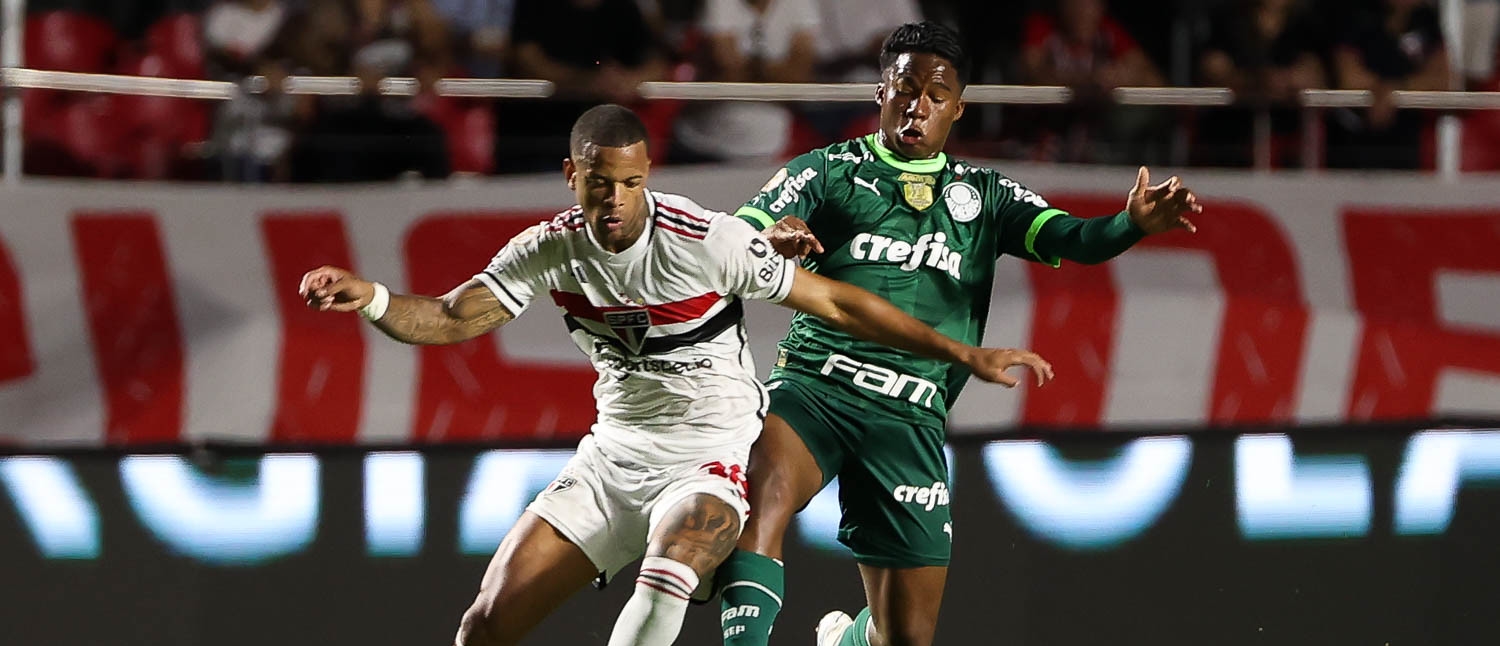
[(465, 313)]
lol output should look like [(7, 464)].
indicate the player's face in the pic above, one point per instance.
[(610, 184), (920, 98)]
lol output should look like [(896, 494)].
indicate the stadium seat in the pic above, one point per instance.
[(91, 135), (469, 127), (1481, 142), (69, 41), (40, 110), (154, 128), (178, 38), (182, 120)]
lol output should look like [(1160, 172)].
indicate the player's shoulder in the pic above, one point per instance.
[(550, 233), (684, 219)]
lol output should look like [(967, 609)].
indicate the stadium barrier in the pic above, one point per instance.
[(161, 314), (1295, 540)]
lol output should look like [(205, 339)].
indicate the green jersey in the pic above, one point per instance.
[(924, 235)]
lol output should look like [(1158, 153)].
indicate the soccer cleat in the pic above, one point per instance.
[(832, 626)]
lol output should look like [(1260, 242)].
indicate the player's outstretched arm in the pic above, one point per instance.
[(872, 318), (468, 311), (1148, 210)]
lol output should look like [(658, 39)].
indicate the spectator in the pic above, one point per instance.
[(481, 30), (593, 51), (852, 33), (1397, 46), (1267, 52), (253, 132), (763, 41), (370, 137), (1082, 48)]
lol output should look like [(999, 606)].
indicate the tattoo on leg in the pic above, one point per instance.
[(702, 535)]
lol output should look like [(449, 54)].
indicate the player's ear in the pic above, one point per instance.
[(880, 93), (570, 172), (958, 112)]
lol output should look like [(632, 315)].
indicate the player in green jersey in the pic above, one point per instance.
[(891, 213)]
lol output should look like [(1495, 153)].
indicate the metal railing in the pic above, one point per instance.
[(14, 78)]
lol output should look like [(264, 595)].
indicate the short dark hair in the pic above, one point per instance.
[(926, 37), (608, 125)]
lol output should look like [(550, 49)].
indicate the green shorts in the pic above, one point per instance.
[(893, 473)]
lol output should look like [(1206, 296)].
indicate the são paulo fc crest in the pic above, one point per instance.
[(630, 327), (963, 201), (562, 483)]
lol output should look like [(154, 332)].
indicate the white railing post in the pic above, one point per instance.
[(14, 17), (1449, 127)]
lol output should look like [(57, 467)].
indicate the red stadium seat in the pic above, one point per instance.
[(91, 135), (68, 41), (1481, 141), (179, 120), (469, 128), (40, 113), (179, 39)]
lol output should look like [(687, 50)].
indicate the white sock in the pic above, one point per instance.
[(653, 616)]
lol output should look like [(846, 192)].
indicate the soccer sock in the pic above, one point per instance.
[(858, 634), (653, 616), (752, 592)]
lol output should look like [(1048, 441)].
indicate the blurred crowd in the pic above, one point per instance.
[(600, 50)]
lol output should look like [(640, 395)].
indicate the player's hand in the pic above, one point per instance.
[(1161, 208), (791, 238), (990, 365), (330, 289)]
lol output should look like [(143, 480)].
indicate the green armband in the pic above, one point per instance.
[(756, 217)]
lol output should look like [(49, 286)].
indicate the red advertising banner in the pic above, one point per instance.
[(147, 314)]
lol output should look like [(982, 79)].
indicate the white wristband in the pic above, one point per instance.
[(378, 304)]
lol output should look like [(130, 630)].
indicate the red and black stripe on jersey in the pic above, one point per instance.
[(681, 222)]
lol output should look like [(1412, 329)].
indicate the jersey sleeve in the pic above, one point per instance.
[(745, 265), (1020, 213), (515, 273), (796, 189)]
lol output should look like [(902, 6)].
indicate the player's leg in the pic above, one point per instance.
[(897, 522), (691, 538), (788, 464), (903, 610), (534, 570)]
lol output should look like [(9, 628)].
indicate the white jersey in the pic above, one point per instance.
[(662, 322)]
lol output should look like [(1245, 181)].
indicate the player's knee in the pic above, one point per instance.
[(907, 631), (481, 627)]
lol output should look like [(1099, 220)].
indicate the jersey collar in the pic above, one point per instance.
[(911, 166)]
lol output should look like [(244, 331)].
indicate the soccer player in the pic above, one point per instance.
[(650, 287), (891, 213)]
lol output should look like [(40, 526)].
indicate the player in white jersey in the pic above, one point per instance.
[(650, 286)]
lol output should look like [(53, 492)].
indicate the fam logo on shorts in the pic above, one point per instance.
[(963, 201), (630, 326)]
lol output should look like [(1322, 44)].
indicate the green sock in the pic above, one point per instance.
[(856, 635), (752, 589)]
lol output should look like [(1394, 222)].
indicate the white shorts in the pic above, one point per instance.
[(610, 508)]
